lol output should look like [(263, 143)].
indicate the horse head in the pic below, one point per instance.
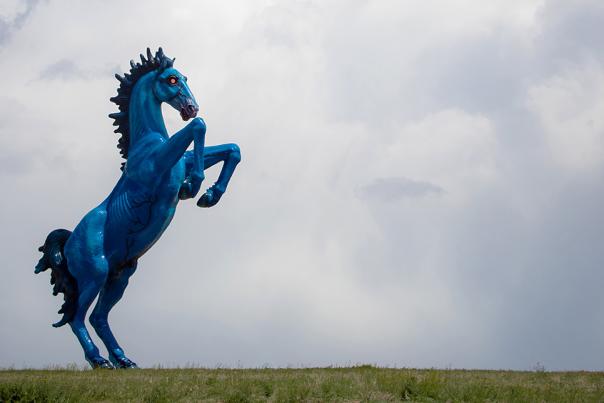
[(166, 84), (171, 86)]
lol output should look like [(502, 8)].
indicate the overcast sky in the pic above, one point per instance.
[(421, 185)]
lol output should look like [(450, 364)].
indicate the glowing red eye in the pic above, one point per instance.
[(172, 80)]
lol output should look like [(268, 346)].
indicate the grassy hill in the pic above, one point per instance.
[(355, 384)]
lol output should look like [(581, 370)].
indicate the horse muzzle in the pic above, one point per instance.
[(189, 111)]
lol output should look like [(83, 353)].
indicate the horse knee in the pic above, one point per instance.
[(90, 282), (99, 272), (98, 321), (198, 124), (234, 152), (76, 324)]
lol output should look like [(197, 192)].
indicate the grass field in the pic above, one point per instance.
[(355, 384)]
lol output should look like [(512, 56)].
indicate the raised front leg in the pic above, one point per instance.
[(170, 152), (231, 155)]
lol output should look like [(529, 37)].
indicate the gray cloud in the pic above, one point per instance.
[(570, 32), (9, 26), (64, 69), (392, 189), (4, 31)]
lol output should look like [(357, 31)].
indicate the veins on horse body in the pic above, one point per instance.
[(133, 210), (140, 212)]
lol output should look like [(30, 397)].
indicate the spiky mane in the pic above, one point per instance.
[(122, 99)]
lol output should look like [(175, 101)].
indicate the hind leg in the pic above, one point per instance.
[(110, 294), (89, 287), (86, 262)]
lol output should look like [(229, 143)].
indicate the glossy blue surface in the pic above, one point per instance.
[(102, 252)]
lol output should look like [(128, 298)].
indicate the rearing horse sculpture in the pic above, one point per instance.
[(102, 252)]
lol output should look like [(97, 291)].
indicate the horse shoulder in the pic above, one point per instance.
[(141, 164)]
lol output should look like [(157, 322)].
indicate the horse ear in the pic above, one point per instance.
[(163, 63)]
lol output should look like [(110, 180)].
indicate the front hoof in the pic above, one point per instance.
[(100, 363), (123, 363), (210, 197), (185, 192)]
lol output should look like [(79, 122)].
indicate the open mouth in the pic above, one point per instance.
[(188, 112)]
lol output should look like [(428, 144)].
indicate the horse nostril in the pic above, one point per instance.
[(192, 109)]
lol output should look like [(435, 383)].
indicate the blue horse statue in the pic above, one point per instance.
[(102, 252)]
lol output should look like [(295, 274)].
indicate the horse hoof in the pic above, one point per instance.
[(100, 363), (203, 201), (209, 198), (123, 363)]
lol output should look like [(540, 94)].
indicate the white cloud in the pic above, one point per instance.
[(451, 148), (571, 109)]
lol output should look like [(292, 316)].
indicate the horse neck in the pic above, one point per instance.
[(145, 111)]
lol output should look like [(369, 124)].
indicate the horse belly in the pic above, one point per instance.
[(135, 223), (162, 215), (138, 216)]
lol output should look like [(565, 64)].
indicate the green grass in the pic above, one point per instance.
[(356, 384)]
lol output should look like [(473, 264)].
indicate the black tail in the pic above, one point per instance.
[(62, 279)]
